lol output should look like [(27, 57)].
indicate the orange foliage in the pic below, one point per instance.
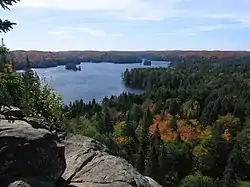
[(120, 140), (186, 131), (227, 135)]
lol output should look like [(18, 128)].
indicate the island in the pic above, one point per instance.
[(72, 67), (147, 62)]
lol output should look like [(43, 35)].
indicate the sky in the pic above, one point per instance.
[(59, 25)]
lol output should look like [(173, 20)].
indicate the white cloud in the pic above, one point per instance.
[(153, 9), (71, 31), (209, 28), (80, 4), (192, 31), (182, 32), (123, 9)]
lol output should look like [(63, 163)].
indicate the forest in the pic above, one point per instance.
[(190, 127), (41, 59)]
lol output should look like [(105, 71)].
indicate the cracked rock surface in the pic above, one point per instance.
[(89, 164), (28, 152)]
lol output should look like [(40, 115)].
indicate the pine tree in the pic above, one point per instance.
[(147, 121), (140, 160), (152, 168), (234, 165), (27, 79), (106, 120), (6, 25), (143, 140), (3, 55)]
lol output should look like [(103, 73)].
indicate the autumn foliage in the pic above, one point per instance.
[(187, 130)]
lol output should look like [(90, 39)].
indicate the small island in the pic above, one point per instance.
[(72, 67), (147, 63)]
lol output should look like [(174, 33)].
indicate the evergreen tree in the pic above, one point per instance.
[(234, 165), (140, 160), (6, 25), (106, 120), (152, 167), (3, 56)]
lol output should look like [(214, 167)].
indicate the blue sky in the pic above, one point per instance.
[(55, 25)]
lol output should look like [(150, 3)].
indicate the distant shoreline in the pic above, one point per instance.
[(43, 67), (41, 59)]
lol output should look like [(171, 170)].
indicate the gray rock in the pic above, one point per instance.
[(19, 183), (153, 182), (89, 164), (12, 112), (26, 152), (37, 123), (30, 183)]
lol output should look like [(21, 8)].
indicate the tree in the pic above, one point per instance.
[(197, 181), (3, 55), (140, 160), (152, 167), (229, 122), (106, 120), (234, 166), (173, 106), (10, 81), (213, 163), (6, 25)]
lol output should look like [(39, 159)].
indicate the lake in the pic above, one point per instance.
[(96, 80)]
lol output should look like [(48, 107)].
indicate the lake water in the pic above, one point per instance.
[(96, 80)]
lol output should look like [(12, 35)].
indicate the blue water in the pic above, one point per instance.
[(96, 80)]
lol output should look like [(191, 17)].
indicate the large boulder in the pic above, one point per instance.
[(13, 112), (30, 183), (89, 164), (26, 152)]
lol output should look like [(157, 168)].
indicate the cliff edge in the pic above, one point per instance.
[(33, 155)]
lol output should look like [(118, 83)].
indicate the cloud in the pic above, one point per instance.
[(123, 9), (152, 10), (194, 30), (209, 28), (183, 32), (71, 31), (79, 4)]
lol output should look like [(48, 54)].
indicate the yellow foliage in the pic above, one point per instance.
[(200, 151)]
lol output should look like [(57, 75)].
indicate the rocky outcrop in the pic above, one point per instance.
[(26, 152), (89, 164), (11, 112), (30, 183), (31, 155)]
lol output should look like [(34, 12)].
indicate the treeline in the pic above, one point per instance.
[(53, 60), (46, 63)]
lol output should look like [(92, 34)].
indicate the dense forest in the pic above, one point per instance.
[(190, 128)]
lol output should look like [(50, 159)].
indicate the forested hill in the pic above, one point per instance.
[(41, 59)]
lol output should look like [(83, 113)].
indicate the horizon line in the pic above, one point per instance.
[(153, 50)]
